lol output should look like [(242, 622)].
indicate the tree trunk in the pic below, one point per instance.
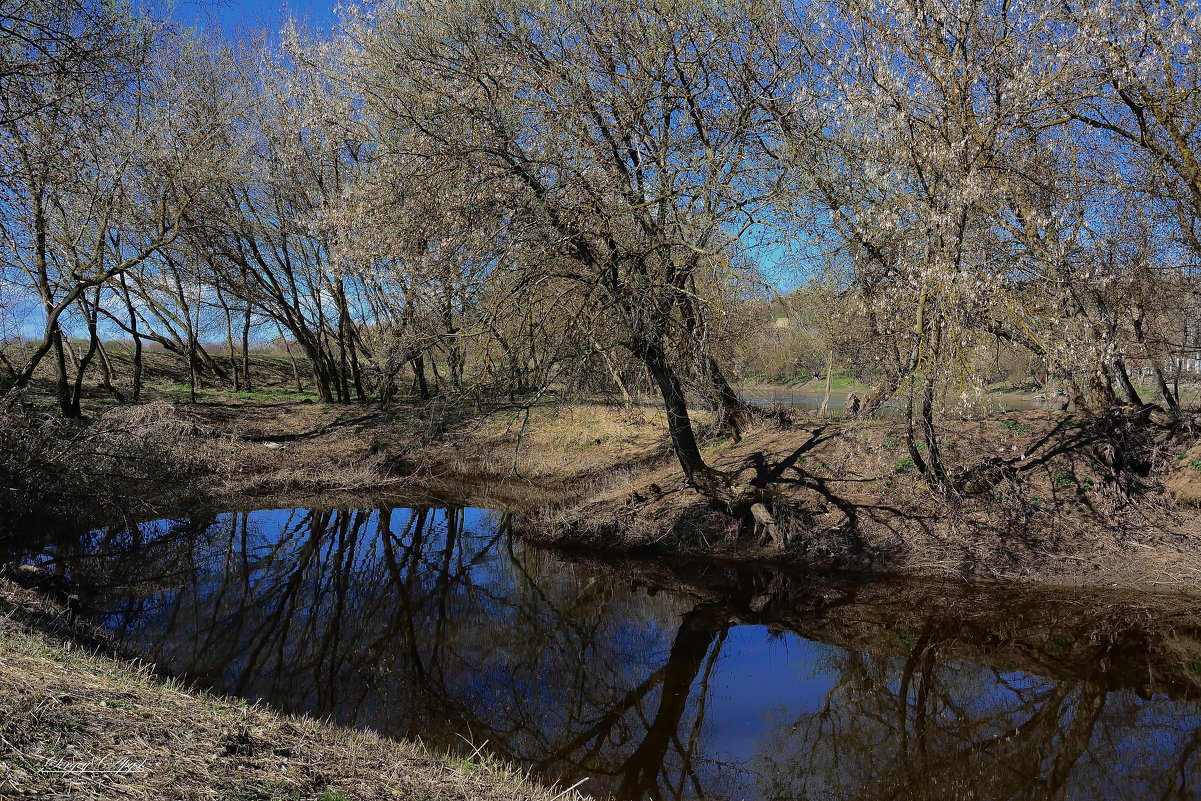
[(454, 352), (697, 474), (829, 370), (192, 367), (89, 314), (1161, 382), (137, 340), (106, 372), (1100, 385), (229, 337), (246, 351), (729, 407), (1118, 368), (288, 350), (423, 388), (679, 424), (62, 388), (932, 467)]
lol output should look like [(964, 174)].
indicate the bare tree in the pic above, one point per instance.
[(627, 139)]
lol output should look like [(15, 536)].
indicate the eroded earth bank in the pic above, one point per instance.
[(1038, 496)]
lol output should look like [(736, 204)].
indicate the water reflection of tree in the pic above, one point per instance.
[(413, 622), (435, 624), (919, 725)]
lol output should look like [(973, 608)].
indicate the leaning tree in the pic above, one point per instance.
[(630, 139)]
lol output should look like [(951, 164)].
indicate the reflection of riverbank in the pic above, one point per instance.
[(79, 723), (661, 679)]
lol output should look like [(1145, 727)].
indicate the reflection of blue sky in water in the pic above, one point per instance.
[(763, 679), (430, 623)]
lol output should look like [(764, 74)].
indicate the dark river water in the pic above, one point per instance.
[(660, 680)]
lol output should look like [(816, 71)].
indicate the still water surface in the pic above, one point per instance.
[(660, 680)]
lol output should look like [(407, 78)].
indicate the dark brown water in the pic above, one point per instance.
[(661, 680)]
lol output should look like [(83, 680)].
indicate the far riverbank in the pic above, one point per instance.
[(1042, 496)]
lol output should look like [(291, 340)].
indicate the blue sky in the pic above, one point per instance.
[(243, 16)]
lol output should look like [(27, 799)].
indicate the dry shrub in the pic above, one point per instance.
[(56, 469), (1184, 481)]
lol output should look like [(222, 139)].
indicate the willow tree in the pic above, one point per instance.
[(902, 154), (63, 73), (263, 233), (623, 135)]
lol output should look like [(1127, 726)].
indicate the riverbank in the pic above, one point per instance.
[(1041, 496), (160, 458), (83, 721)]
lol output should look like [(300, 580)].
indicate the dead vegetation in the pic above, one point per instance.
[(1184, 478), (161, 458), (1044, 496), (80, 722), (1040, 496), (114, 464)]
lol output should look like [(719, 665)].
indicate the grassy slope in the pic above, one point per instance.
[(77, 723)]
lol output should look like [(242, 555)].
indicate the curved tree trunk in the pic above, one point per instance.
[(697, 474)]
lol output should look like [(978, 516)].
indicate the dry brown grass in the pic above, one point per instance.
[(522, 456), (82, 725), (557, 444), (160, 458), (849, 497), (1184, 480)]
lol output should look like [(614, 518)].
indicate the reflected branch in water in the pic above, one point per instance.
[(435, 622)]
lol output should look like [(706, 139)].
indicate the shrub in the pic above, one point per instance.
[(53, 468)]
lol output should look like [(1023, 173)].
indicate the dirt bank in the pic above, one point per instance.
[(163, 458), (1041, 496), (77, 720)]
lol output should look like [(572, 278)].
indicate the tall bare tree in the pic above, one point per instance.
[(626, 138)]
